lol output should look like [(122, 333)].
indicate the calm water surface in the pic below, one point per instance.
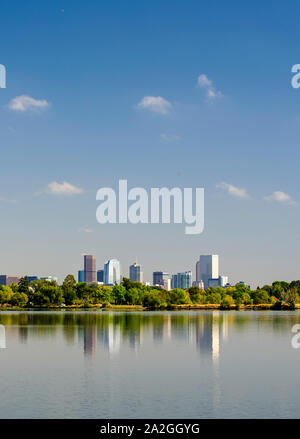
[(191, 364)]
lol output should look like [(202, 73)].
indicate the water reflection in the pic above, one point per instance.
[(206, 331), (2, 337)]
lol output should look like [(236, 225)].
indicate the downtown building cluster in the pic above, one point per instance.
[(207, 274)]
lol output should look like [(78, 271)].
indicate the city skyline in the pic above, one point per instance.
[(206, 274)]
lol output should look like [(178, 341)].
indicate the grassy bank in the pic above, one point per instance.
[(184, 307)]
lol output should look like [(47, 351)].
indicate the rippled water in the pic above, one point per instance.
[(193, 364)]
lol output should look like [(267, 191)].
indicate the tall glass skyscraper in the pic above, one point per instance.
[(198, 275), (89, 269), (100, 276), (182, 280), (209, 268), (112, 272), (159, 277), (135, 273), (81, 276)]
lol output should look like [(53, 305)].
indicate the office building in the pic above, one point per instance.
[(213, 283), (112, 272), (221, 281), (8, 280), (159, 277), (198, 275), (90, 269), (135, 273), (167, 284), (182, 280), (81, 276), (209, 268), (100, 276)]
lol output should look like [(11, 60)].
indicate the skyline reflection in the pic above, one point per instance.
[(207, 331)]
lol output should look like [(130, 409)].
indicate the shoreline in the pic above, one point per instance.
[(196, 307)]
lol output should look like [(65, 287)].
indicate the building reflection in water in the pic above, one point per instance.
[(112, 339), (211, 331), (89, 340), (2, 337), (205, 330)]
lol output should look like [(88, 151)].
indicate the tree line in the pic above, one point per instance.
[(43, 293)]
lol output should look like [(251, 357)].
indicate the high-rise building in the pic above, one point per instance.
[(167, 284), (89, 269), (135, 273), (112, 272), (223, 281), (198, 278), (100, 275), (182, 280), (209, 268), (81, 276), (159, 277)]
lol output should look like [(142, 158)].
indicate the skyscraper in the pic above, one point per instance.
[(112, 272), (135, 273), (159, 277), (209, 268), (89, 269), (100, 275), (182, 280), (198, 278), (80, 275)]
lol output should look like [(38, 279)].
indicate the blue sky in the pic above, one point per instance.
[(87, 66)]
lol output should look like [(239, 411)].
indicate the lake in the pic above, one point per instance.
[(177, 364)]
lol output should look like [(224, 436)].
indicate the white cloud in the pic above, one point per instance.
[(157, 104), (168, 138), (281, 197), (63, 188), (24, 103), (204, 82), (233, 190)]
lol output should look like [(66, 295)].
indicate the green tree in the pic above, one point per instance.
[(69, 289), (178, 297), (227, 302), (154, 299), (23, 285), (83, 291), (119, 294), (134, 296), (19, 299), (6, 294), (291, 297), (105, 296), (197, 295)]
